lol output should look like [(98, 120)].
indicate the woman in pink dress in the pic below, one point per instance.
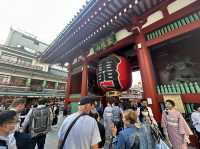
[(175, 127)]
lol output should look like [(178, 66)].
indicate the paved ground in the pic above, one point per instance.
[(52, 137)]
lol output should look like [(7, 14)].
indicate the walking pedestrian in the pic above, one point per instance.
[(175, 128), (101, 130), (145, 116), (196, 121), (107, 118), (145, 113), (8, 121), (79, 130), (117, 116), (134, 104), (55, 115), (22, 139), (134, 136), (38, 121)]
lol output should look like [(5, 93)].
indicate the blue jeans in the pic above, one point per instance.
[(39, 140)]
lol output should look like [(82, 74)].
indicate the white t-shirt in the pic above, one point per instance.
[(83, 135), (196, 120)]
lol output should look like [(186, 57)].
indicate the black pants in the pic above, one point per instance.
[(198, 134), (23, 140), (119, 126), (39, 140)]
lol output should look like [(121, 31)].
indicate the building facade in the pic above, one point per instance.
[(21, 73)]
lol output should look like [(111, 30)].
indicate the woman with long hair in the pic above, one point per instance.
[(175, 128)]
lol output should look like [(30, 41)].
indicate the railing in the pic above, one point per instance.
[(20, 63), (15, 87), (173, 25), (181, 88)]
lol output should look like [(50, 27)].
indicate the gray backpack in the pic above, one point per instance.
[(40, 121)]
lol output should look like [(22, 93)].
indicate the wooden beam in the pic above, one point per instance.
[(147, 74), (191, 98), (120, 44), (69, 81), (186, 98), (178, 32), (84, 83), (173, 17), (155, 8)]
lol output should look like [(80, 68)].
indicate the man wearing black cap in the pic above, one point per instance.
[(84, 134), (8, 121)]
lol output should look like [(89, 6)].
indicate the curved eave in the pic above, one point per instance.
[(98, 19)]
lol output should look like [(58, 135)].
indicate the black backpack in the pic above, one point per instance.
[(3, 144)]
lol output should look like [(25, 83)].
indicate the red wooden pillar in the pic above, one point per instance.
[(68, 81), (147, 74), (84, 84)]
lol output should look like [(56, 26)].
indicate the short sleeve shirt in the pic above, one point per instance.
[(83, 135)]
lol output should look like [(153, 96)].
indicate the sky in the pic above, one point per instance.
[(136, 78), (42, 18)]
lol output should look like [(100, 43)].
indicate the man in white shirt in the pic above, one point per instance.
[(196, 120), (85, 132)]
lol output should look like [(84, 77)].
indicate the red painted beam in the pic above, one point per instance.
[(147, 74), (186, 98), (75, 99), (191, 98), (178, 32), (173, 17), (68, 81), (84, 83)]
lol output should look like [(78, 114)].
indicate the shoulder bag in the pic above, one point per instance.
[(68, 130)]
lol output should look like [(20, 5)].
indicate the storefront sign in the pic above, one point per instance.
[(104, 43)]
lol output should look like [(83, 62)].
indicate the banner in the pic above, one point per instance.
[(177, 100)]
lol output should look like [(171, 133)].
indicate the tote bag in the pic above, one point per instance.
[(162, 145)]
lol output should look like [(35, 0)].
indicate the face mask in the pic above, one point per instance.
[(93, 111)]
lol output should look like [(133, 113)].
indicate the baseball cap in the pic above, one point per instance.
[(85, 100), (6, 116)]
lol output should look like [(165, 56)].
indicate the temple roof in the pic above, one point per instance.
[(96, 20)]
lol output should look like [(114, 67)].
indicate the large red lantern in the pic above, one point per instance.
[(114, 73)]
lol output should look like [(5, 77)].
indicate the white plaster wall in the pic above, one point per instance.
[(178, 4), (58, 67), (122, 34), (154, 17)]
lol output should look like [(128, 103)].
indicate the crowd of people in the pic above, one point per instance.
[(92, 127), (131, 128), (24, 127)]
